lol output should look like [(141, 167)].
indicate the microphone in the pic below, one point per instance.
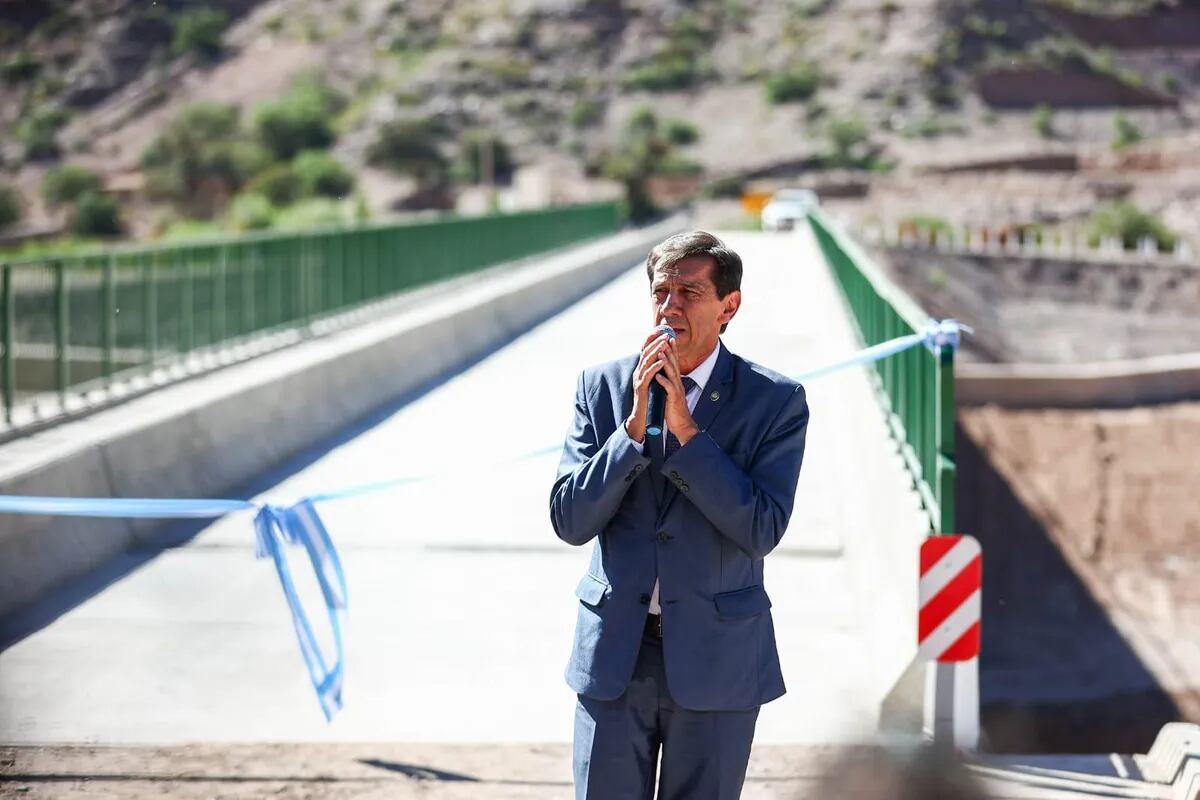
[(657, 405)]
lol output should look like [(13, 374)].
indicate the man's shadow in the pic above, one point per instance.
[(1055, 675)]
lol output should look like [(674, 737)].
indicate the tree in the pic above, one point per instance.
[(96, 215), (10, 205), (38, 133), (202, 157), (319, 174), (471, 157), (645, 151), (199, 31), (410, 147), (848, 141), (300, 120), (66, 183), (1130, 224)]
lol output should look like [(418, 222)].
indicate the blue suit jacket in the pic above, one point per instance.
[(701, 521)]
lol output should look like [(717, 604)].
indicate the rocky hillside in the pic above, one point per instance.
[(413, 93)]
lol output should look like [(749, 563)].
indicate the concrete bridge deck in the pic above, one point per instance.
[(461, 596), (461, 604)]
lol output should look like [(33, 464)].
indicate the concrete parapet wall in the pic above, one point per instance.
[(208, 436), (1116, 384)]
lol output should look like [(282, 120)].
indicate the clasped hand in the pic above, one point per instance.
[(659, 362)]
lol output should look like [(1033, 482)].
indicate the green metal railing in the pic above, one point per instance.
[(72, 324), (916, 387)]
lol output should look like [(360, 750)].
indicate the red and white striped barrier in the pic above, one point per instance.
[(950, 591)]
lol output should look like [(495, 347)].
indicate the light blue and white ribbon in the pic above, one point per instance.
[(300, 524), (275, 526), (946, 333)]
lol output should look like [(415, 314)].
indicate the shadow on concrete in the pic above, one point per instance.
[(431, 774), (420, 773), (1055, 675)]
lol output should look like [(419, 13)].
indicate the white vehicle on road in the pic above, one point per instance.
[(787, 208)]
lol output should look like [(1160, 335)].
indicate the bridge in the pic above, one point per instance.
[(460, 594)]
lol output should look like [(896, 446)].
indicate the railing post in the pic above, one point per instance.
[(62, 332), (8, 372), (947, 466), (150, 307), (249, 272), (187, 307), (219, 333), (108, 322)]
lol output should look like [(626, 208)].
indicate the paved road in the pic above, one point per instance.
[(379, 771), (461, 603)]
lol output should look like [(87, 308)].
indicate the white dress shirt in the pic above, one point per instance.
[(700, 375)]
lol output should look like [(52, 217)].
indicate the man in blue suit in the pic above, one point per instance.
[(674, 643)]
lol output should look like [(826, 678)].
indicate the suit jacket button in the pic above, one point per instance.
[(683, 487), (637, 468), (662, 536), (645, 599), (674, 474)]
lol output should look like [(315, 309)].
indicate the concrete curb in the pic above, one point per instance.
[(1116, 384), (208, 436)]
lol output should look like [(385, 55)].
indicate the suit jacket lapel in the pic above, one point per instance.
[(713, 397)]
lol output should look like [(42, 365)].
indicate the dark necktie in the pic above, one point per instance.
[(672, 444)]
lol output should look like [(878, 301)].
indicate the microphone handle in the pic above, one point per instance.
[(656, 409)]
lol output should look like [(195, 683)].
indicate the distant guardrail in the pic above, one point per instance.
[(1003, 242), (73, 325), (916, 387)]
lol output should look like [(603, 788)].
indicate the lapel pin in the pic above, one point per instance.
[(715, 396)]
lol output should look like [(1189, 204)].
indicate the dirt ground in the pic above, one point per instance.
[(1091, 534), (339, 771)]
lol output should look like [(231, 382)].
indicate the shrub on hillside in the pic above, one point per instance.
[(277, 183), (410, 147), (319, 174), (585, 113), (1130, 224), (66, 183), (681, 132), (1043, 121), (199, 31), (10, 205), (96, 215), (848, 141), (1125, 133), (663, 73), (301, 120), (38, 133), (682, 60), (317, 212), (250, 212), (731, 186), (20, 67), (796, 83)]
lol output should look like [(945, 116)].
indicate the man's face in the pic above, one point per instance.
[(685, 297)]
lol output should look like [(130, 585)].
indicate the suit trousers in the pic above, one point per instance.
[(617, 742)]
